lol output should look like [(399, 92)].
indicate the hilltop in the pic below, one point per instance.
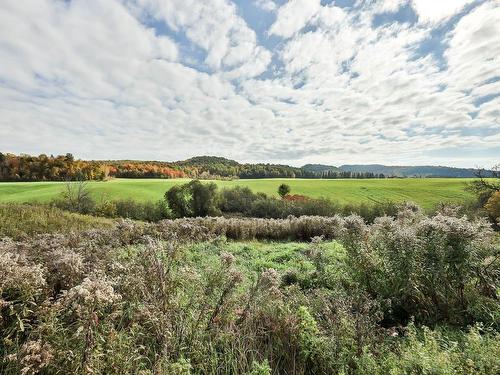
[(396, 171)]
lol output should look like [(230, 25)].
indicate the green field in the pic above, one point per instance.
[(426, 192)]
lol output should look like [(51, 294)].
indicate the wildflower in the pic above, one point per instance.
[(270, 280), (19, 276), (34, 356), (93, 295), (227, 259)]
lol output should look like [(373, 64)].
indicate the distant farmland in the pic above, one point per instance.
[(426, 192)]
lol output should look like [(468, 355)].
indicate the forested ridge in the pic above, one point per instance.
[(66, 167)]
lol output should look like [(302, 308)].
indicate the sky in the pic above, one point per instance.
[(396, 82)]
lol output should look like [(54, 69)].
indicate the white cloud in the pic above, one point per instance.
[(88, 47), (360, 83), (90, 77), (293, 16), (388, 5), (436, 11), (473, 55), (215, 26), (268, 5)]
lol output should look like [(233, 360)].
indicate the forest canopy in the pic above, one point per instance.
[(65, 167)]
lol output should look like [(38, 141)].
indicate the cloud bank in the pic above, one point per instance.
[(395, 81)]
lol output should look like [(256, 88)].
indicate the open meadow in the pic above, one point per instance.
[(425, 192), (252, 187), (303, 296)]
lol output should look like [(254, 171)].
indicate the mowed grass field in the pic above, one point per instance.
[(426, 192)]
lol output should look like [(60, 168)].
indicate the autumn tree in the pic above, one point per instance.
[(492, 206), (486, 184)]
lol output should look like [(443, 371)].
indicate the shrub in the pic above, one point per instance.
[(193, 199), (493, 207), (284, 190), (140, 298), (432, 268), (237, 200), (130, 209), (76, 198), (424, 351)]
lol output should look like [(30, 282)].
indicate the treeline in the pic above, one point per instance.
[(344, 174), (134, 169), (65, 167), (210, 166), (49, 168)]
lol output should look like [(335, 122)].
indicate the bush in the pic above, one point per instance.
[(424, 351), (492, 206), (242, 201), (76, 198), (140, 298), (147, 211), (284, 190), (127, 209), (237, 200), (433, 268), (193, 199)]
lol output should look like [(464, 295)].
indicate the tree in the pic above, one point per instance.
[(284, 190), (493, 206), (204, 198), (179, 201), (193, 199), (486, 185)]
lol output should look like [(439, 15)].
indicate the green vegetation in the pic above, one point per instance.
[(282, 284), (65, 167), (18, 221), (487, 192), (283, 190), (178, 297), (193, 199), (425, 192)]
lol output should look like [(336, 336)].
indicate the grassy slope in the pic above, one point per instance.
[(17, 220), (426, 192), (253, 257)]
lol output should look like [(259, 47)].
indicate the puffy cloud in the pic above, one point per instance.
[(214, 26), (293, 16), (473, 55), (88, 48), (268, 5), (388, 5), (435, 11)]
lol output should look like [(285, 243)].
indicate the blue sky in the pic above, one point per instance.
[(299, 81)]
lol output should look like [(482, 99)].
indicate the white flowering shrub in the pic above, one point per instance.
[(176, 297), (433, 268)]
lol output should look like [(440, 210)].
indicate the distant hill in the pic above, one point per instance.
[(318, 168), (208, 160), (410, 171), (393, 171)]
